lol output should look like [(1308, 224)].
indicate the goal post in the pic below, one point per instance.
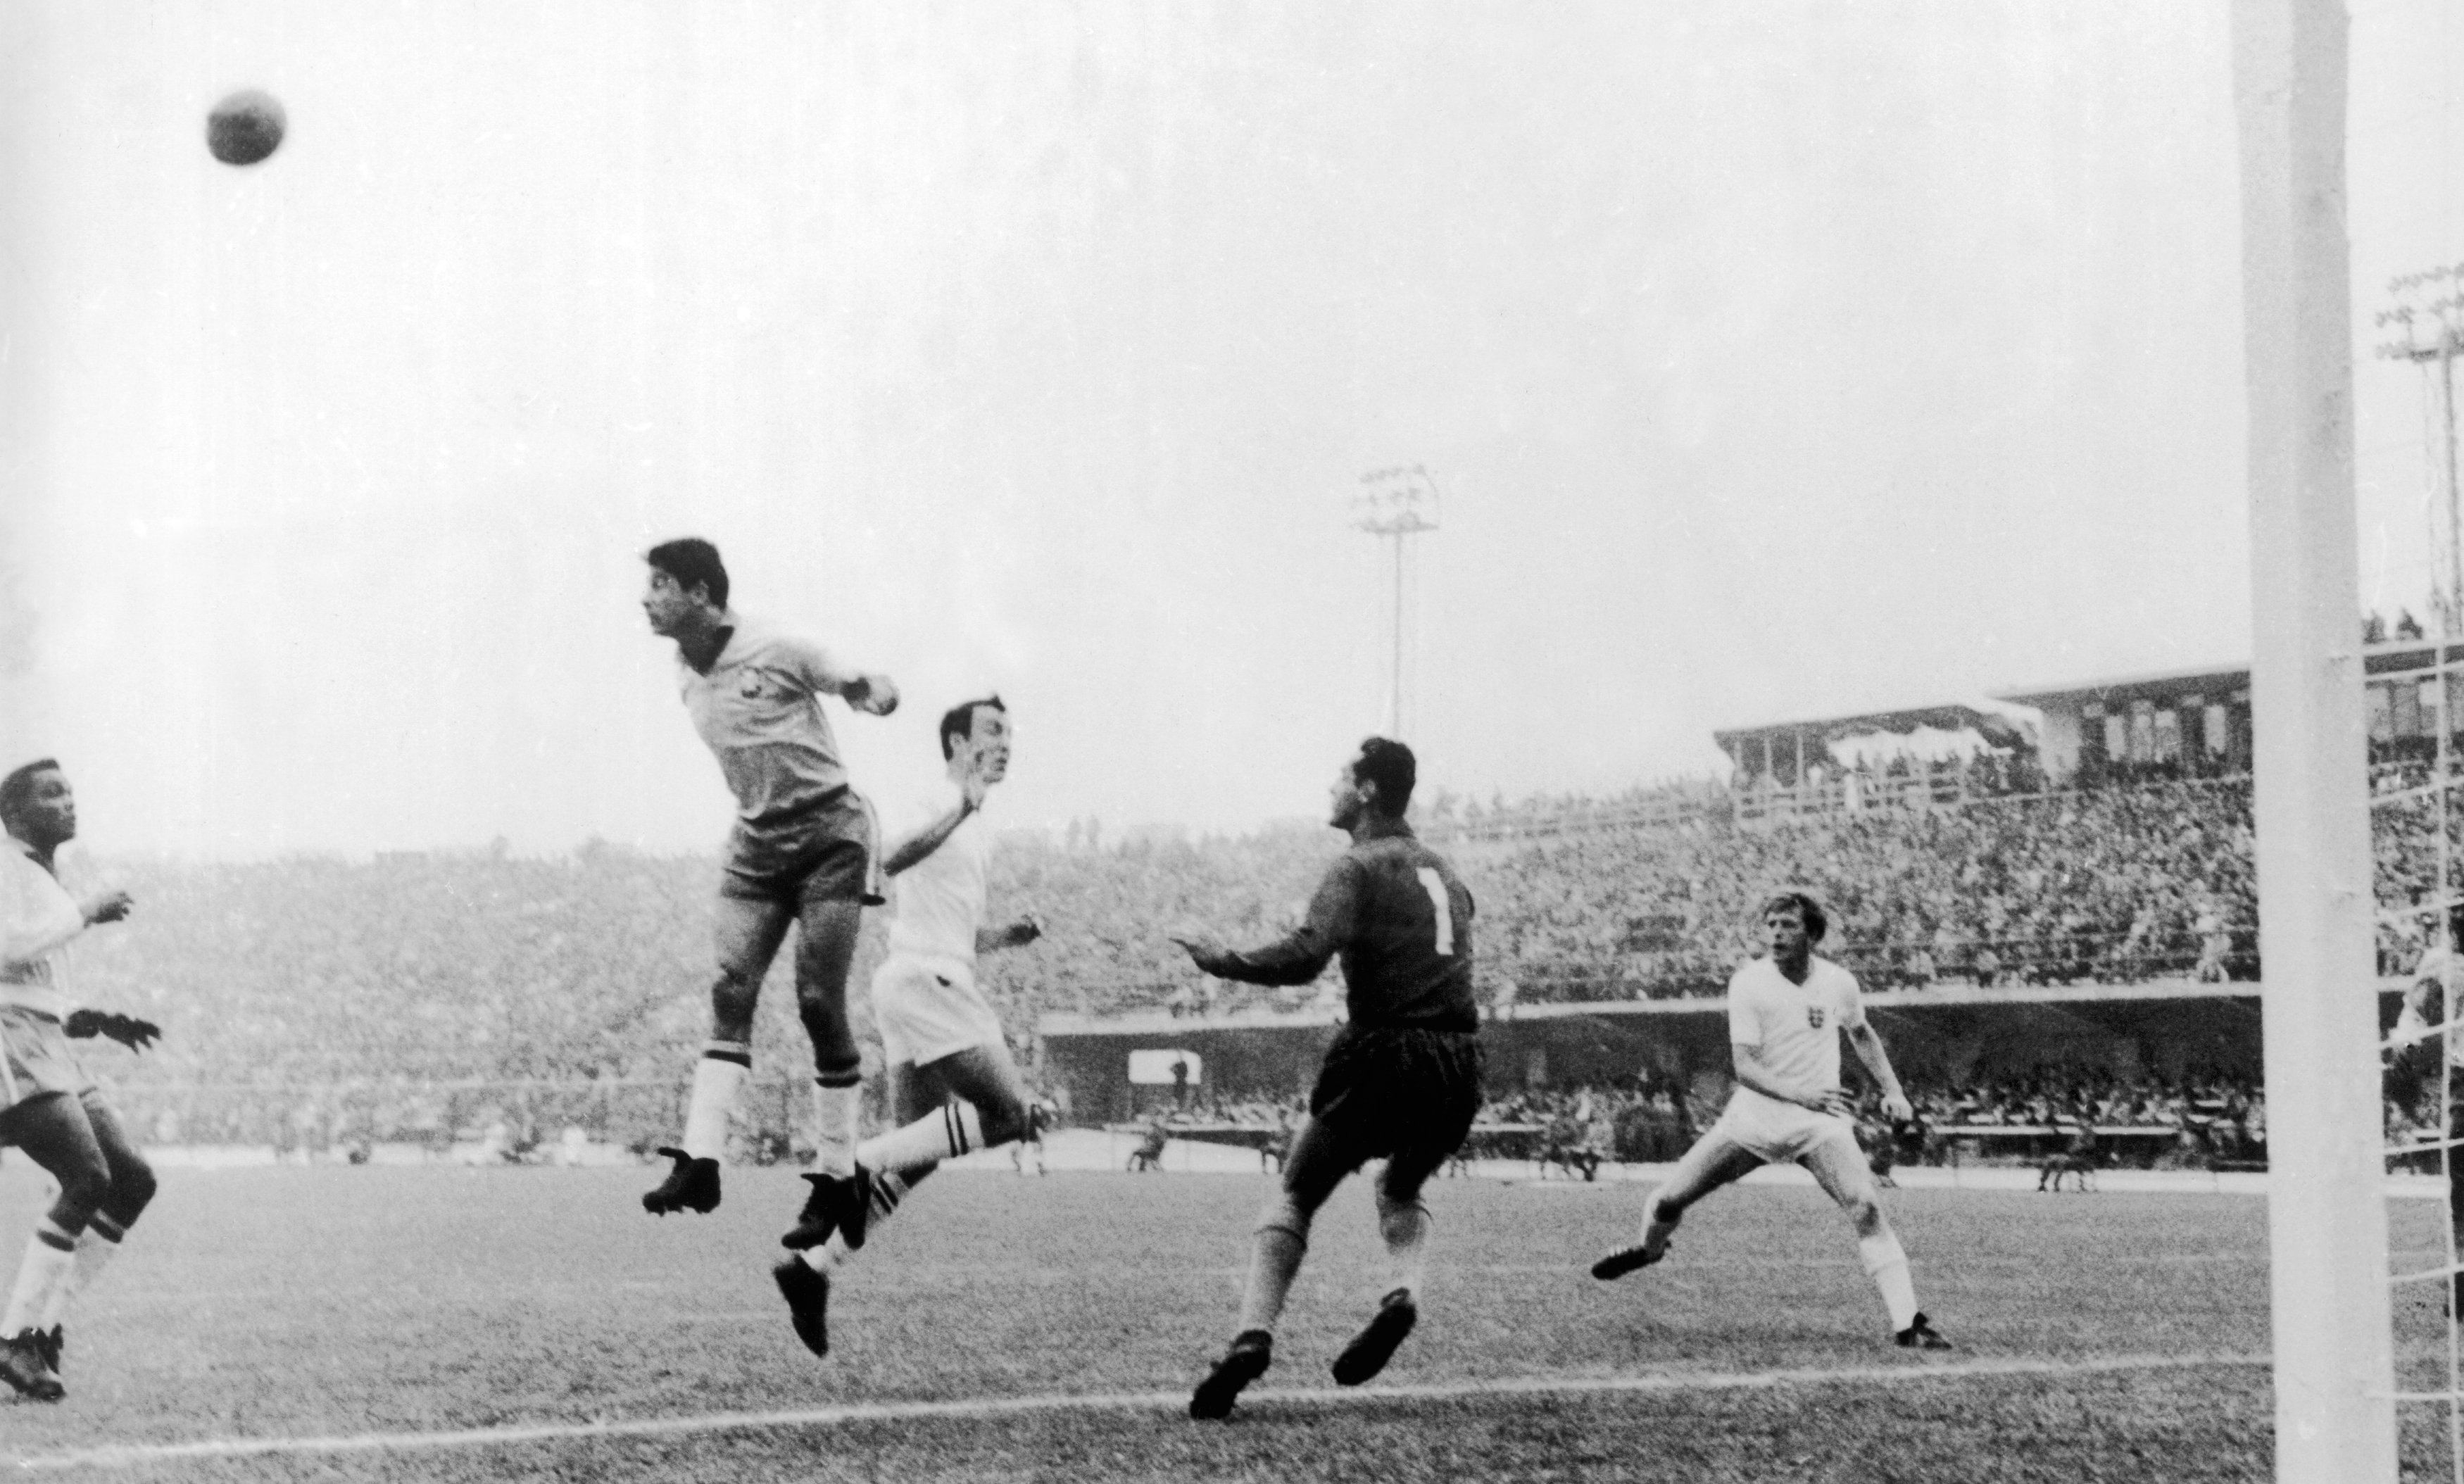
[(2327, 1223)]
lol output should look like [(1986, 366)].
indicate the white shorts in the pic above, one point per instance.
[(36, 1059), (1782, 1133), (928, 1008)]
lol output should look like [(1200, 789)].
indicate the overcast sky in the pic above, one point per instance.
[(1773, 359)]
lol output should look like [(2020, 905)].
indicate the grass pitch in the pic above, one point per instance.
[(503, 1324)]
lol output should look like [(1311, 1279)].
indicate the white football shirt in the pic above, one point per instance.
[(1795, 1028), (938, 902), (37, 919)]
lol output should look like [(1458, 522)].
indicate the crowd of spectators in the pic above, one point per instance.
[(2083, 886), (2205, 1116), (2202, 1119), (407, 994)]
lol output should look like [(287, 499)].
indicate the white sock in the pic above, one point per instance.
[(834, 1119), (950, 1130), (93, 1252), (1406, 1230), (721, 1071), (51, 1256), (1886, 1263), (829, 1255)]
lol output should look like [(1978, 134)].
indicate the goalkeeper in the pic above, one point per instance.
[(48, 1106)]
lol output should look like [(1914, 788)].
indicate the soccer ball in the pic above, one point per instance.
[(244, 129)]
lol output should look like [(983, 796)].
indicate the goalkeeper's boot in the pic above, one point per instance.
[(1252, 1351), (1375, 1345)]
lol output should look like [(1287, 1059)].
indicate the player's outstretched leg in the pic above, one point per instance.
[(1317, 1164), (960, 1102), (1842, 1176), (1404, 1221), (693, 1180), (1275, 1253), (840, 1200), (132, 1190), (889, 1165), (53, 1129), (746, 935), (1716, 1160)]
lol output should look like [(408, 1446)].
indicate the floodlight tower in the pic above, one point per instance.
[(2430, 309), (1396, 503)]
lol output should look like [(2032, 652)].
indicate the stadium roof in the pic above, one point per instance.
[(1996, 723), (2394, 655), (2162, 684)]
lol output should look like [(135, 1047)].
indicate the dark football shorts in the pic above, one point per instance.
[(832, 855), (1399, 1093)]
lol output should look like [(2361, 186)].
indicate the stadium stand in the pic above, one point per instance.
[(329, 1003)]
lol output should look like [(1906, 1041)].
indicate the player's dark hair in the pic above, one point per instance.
[(1818, 921), (17, 790), (958, 723), (691, 561), (1390, 765)]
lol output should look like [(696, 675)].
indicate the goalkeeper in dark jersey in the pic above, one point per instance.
[(1401, 1080)]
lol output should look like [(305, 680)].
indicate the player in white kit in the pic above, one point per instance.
[(49, 1107), (1785, 1013), (952, 1083)]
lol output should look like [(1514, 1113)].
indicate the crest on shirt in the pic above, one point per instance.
[(1814, 1016), (750, 687)]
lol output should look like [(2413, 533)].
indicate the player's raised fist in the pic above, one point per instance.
[(876, 694)]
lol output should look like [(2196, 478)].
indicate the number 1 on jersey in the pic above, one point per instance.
[(1436, 886)]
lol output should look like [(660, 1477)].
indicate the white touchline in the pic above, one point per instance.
[(1113, 1401)]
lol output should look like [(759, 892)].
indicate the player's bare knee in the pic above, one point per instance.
[(733, 995), (85, 1184), (1864, 1213), (834, 1046), (132, 1190)]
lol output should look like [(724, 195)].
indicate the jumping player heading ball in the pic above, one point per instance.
[(801, 855)]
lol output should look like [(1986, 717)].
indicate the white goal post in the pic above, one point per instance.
[(2328, 1224)]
